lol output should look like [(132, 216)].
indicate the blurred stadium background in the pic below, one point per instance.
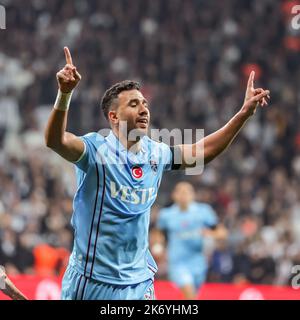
[(193, 58)]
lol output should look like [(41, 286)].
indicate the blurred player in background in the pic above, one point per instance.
[(8, 288), (186, 223), (110, 258)]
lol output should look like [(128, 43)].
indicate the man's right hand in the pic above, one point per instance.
[(66, 144), (68, 77)]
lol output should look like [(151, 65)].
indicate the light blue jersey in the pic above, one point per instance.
[(112, 209), (186, 261)]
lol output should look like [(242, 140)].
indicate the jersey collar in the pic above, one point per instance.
[(114, 140)]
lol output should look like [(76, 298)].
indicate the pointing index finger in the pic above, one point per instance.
[(251, 80), (68, 56)]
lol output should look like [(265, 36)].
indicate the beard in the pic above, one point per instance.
[(133, 131)]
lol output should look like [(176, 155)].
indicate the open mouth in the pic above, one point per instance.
[(143, 122)]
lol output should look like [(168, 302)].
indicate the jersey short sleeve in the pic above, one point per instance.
[(210, 217), (162, 221), (170, 157), (88, 157)]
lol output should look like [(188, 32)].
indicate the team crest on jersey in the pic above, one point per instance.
[(154, 166), (137, 172)]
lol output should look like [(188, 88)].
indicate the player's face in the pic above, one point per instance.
[(183, 194), (133, 108)]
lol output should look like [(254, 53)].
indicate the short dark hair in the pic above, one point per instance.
[(112, 93)]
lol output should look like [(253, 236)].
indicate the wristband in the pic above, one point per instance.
[(63, 101)]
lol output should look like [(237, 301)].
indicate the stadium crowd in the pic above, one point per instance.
[(192, 58)]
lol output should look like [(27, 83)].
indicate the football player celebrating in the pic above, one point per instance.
[(118, 180)]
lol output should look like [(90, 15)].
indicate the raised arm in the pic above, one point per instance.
[(217, 142), (64, 143)]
